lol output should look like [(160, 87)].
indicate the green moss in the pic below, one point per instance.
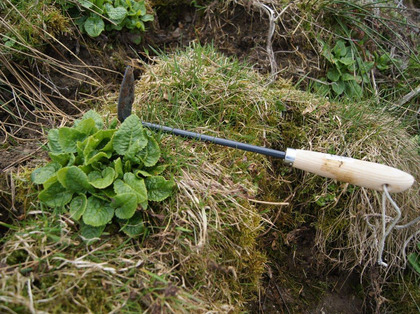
[(17, 257), (28, 25)]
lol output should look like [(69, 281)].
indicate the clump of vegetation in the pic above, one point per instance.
[(28, 25), (99, 173), (95, 16), (384, 44), (347, 71), (202, 252)]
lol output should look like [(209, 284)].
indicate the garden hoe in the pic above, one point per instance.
[(362, 173)]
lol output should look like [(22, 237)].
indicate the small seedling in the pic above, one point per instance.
[(99, 174)]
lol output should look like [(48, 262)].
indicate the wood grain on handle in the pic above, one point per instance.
[(358, 172)]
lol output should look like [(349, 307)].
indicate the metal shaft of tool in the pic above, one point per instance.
[(217, 140)]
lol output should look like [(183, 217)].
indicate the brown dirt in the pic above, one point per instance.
[(296, 282)]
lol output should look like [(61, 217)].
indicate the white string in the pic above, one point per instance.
[(386, 231)]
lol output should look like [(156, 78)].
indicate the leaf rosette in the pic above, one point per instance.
[(100, 175)]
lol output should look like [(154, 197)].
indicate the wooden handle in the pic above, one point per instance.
[(362, 173)]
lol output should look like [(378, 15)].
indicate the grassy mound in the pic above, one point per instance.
[(204, 252)]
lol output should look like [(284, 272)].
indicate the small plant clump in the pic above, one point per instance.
[(99, 174), (347, 71), (95, 16)]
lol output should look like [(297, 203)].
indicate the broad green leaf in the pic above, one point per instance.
[(338, 87), (100, 3), (137, 185), (348, 77), (81, 146), (139, 7), (118, 167), (87, 127), (86, 168), (353, 90), (116, 14), (109, 192), (147, 18), (125, 205), (101, 141), (94, 26), (321, 89), (414, 260), (142, 173), (158, 188), (144, 204), (340, 49), (78, 206), (102, 180), (98, 166), (53, 142), (130, 137), (64, 159), (106, 143), (68, 138), (98, 157), (50, 182), (333, 74), (90, 232), (127, 166), (133, 227), (151, 153), (346, 61), (73, 179), (118, 27), (86, 3), (135, 23), (98, 212), (366, 66), (92, 114), (55, 195), (87, 148), (121, 188), (156, 170), (41, 175), (134, 185), (326, 53)]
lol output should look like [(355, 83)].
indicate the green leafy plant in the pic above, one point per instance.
[(346, 71), (95, 16), (414, 260), (99, 174)]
